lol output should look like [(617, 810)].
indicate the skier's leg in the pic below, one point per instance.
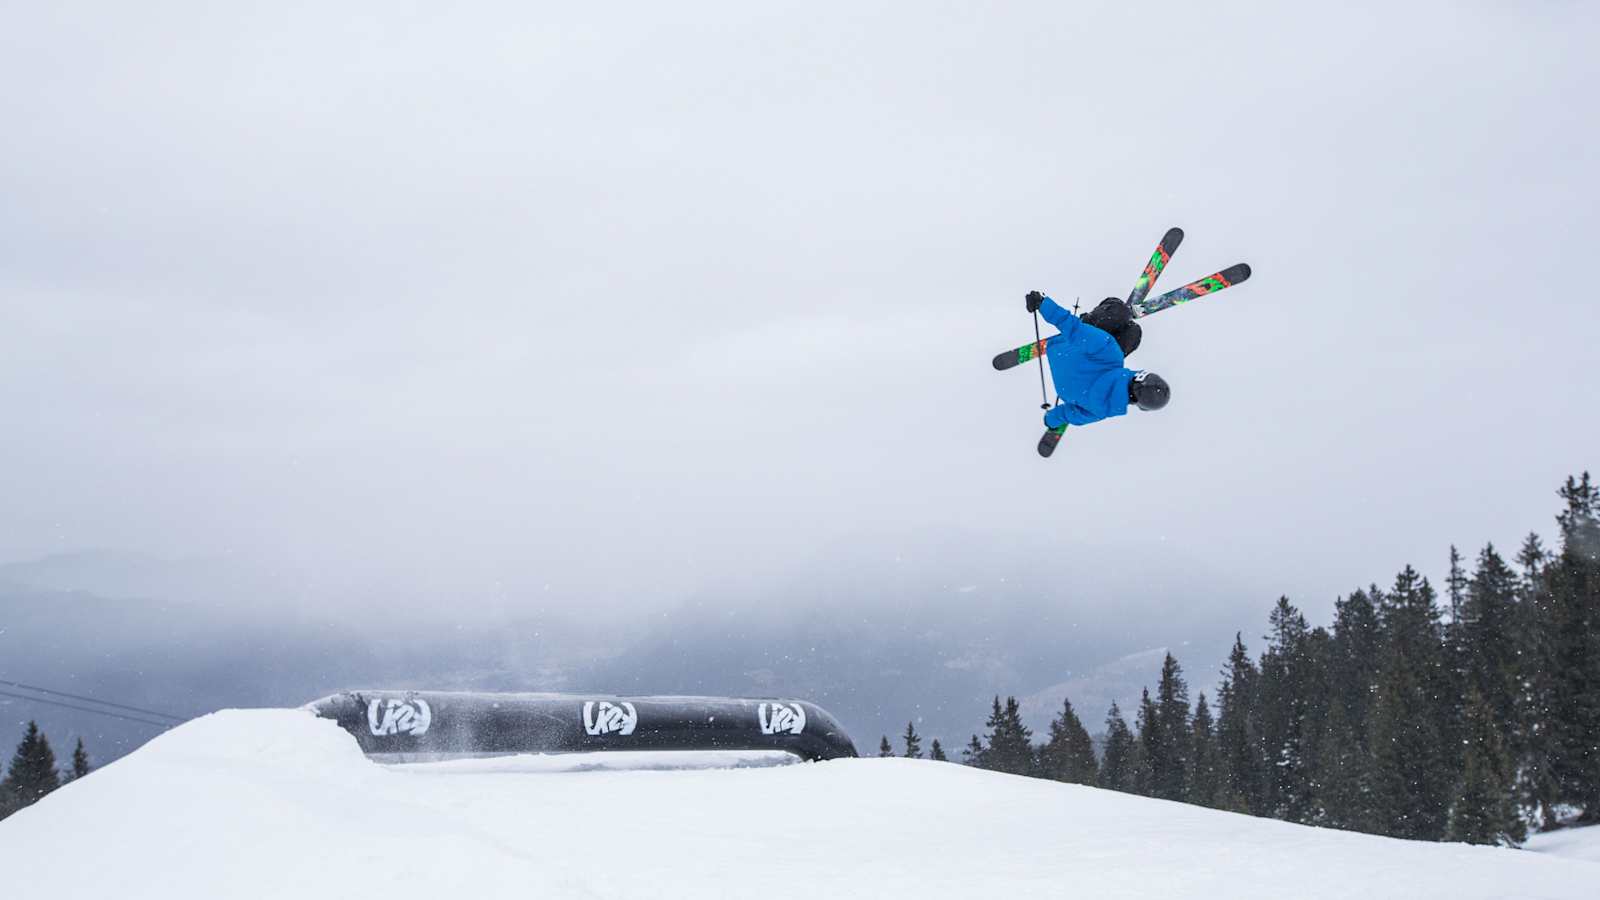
[(1111, 316), (1128, 338)]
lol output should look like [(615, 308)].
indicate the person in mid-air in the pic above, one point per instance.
[(1087, 363)]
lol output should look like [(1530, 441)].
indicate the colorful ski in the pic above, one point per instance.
[(1026, 353), (1210, 284), (1153, 268), (1052, 437)]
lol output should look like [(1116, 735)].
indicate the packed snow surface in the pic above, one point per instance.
[(277, 803)]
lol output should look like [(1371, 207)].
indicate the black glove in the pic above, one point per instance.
[(1034, 299)]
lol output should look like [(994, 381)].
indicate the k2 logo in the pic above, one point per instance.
[(399, 717), (777, 718), (603, 717)]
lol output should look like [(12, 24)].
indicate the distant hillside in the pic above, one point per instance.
[(876, 643)]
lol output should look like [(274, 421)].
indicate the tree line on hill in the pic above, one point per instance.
[(33, 772), (1468, 718)]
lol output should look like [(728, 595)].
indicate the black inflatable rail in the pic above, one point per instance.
[(409, 725)]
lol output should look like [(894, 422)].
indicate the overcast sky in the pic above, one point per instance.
[(509, 305)]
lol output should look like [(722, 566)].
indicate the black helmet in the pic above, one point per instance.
[(1149, 390)]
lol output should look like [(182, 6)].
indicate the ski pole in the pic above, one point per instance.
[(1044, 398)]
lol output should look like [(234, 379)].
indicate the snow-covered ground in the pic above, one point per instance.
[(1572, 843), (276, 803)]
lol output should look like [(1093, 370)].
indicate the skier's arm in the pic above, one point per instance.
[(1057, 315)]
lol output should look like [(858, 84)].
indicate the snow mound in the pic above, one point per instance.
[(278, 803)]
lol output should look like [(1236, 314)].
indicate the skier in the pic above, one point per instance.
[(1086, 363)]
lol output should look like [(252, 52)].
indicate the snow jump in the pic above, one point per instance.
[(425, 726)]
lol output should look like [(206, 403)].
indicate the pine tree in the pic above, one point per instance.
[(1238, 733), (1483, 811), (1489, 640), (1010, 743), (1537, 791), (1456, 585), (32, 773), (974, 755), (884, 749), (1345, 792), (1316, 681), (1120, 764), (1205, 768), (1286, 690), (80, 762), (913, 741), (1150, 742), (1345, 788), (1068, 754), (936, 752), (1164, 733), (1573, 579), (1414, 768)]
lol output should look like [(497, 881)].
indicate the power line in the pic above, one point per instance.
[(95, 700), (98, 712)]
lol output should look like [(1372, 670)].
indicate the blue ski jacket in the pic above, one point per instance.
[(1087, 366)]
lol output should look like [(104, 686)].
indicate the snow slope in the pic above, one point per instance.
[(276, 803)]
